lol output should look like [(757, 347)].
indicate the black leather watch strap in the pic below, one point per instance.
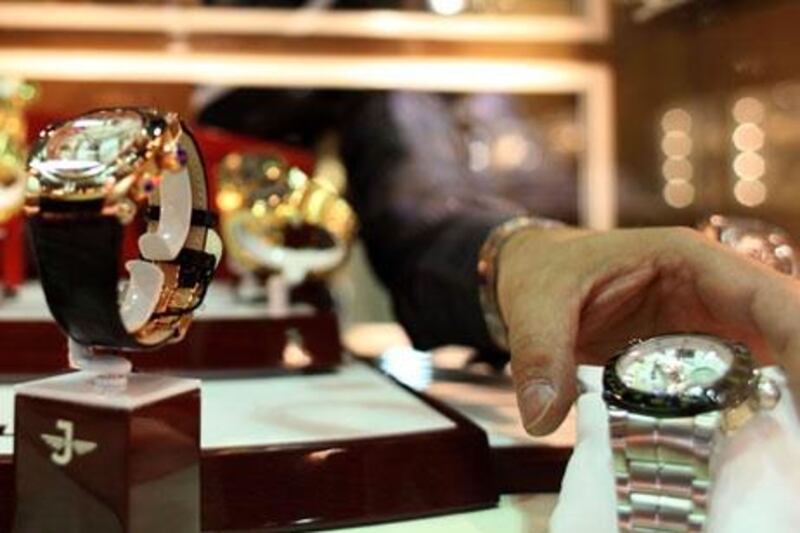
[(78, 263), (200, 217)]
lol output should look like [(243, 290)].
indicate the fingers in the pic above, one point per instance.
[(540, 306), (542, 333)]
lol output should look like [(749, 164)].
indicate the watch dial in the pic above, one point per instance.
[(89, 147), (675, 365)]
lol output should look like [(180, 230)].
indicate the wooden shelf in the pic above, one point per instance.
[(589, 26), (357, 72)]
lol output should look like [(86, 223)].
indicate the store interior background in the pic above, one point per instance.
[(705, 107)]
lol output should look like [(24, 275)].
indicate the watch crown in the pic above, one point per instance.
[(767, 392)]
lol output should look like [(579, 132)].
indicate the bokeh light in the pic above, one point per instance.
[(750, 193), (678, 193)]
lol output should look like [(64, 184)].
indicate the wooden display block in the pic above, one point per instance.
[(118, 461)]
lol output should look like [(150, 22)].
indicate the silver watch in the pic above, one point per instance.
[(670, 398)]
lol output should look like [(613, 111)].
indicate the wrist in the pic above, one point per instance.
[(526, 254), (488, 268)]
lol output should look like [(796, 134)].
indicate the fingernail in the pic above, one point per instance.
[(535, 401)]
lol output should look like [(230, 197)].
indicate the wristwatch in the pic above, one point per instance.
[(88, 178), (277, 219), (15, 96), (764, 242), (670, 399)]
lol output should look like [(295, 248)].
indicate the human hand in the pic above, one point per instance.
[(572, 296)]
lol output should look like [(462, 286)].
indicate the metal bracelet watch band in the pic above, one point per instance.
[(661, 468), (487, 271)]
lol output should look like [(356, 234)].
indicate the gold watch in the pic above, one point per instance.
[(275, 218)]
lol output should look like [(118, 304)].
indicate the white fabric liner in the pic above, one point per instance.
[(757, 483), (354, 403)]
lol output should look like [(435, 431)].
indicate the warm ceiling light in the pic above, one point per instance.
[(749, 166), (678, 193), (676, 144), (748, 137), (750, 193), (676, 119), (677, 169), (748, 109)]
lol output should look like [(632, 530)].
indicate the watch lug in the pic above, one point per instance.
[(735, 417)]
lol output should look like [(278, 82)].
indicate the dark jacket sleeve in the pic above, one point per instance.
[(424, 215)]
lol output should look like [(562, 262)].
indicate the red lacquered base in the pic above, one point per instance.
[(120, 462), (301, 343), (307, 343)]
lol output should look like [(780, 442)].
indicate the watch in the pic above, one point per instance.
[(15, 96), (88, 178), (277, 219), (764, 242), (670, 399)]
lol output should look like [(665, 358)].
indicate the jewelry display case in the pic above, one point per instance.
[(331, 442)]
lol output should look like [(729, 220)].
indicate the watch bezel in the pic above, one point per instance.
[(163, 144), (155, 143), (732, 389)]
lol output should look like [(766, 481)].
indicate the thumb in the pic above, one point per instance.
[(542, 341)]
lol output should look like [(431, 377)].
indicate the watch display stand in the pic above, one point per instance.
[(757, 471), (103, 449), (227, 335), (279, 336)]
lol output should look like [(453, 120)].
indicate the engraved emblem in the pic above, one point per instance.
[(66, 446)]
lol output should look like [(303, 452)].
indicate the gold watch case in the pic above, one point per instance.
[(109, 159)]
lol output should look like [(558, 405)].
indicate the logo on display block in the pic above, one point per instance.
[(66, 446)]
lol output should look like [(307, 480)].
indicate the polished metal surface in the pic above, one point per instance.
[(662, 472)]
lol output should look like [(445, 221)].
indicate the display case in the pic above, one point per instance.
[(532, 89)]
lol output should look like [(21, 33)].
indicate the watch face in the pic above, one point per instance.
[(675, 365), (679, 375), (90, 147)]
